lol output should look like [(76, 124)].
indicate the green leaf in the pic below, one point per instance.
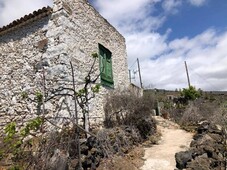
[(95, 55), (10, 128), (39, 97), (24, 95), (96, 88)]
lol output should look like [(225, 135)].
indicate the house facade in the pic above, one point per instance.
[(35, 56)]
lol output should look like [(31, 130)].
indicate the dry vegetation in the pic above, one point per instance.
[(128, 123), (130, 110), (208, 107), (206, 116)]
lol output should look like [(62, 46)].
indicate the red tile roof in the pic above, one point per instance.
[(36, 15)]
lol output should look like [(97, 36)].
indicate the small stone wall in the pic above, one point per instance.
[(207, 150), (136, 90)]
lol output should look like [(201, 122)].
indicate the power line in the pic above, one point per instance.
[(204, 79), (133, 64), (135, 72)]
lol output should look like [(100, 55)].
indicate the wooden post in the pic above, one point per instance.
[(187, 74), (141, 84)]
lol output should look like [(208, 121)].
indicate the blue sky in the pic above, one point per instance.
[(190, 20), (162, 34)]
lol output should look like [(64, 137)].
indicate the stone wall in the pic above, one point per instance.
[(45, 47), (19, 55), (136, 90)]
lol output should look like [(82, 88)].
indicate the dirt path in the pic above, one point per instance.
[(162, 156)]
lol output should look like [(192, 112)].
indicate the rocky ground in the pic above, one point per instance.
[(176, 150)]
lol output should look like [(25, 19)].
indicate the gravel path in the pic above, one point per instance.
[(162, 156)]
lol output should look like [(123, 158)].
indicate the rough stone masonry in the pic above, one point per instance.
[(44, 43)]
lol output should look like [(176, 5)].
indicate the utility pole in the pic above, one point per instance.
[(130, 77), (187, 74), (141, 84)]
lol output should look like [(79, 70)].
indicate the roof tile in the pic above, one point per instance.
[(41, 13)]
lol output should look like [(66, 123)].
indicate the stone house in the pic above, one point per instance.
[(44, 43)]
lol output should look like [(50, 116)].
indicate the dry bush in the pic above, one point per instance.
[(128, 109), (195, 112), (176, 114), (39, 152), (201, 109), (220, 117), (190, 116), (205, 108), (45, 149), (118, 140)]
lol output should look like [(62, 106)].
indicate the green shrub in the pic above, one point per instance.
[(190, 93)]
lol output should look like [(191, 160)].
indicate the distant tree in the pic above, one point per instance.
[(190, 93), (200, 91)]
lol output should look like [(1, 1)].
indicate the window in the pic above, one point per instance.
[(105, 63)]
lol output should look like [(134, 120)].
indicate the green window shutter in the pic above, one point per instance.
[(102, 62), (106, 66), (108, 69)]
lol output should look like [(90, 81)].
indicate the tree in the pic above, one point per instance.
[(190, 93)]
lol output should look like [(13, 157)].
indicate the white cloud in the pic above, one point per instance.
[(206, 56), (171, 6), (145, 45), (197, 2), (119, 9), (130, 16), (11, 10)]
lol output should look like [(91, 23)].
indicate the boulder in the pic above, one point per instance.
[(182, 158), (200, 163), (206, 150), (92, 142), (215, 129), (203, 127), (84, 149), (59, 161), (217, 137)]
